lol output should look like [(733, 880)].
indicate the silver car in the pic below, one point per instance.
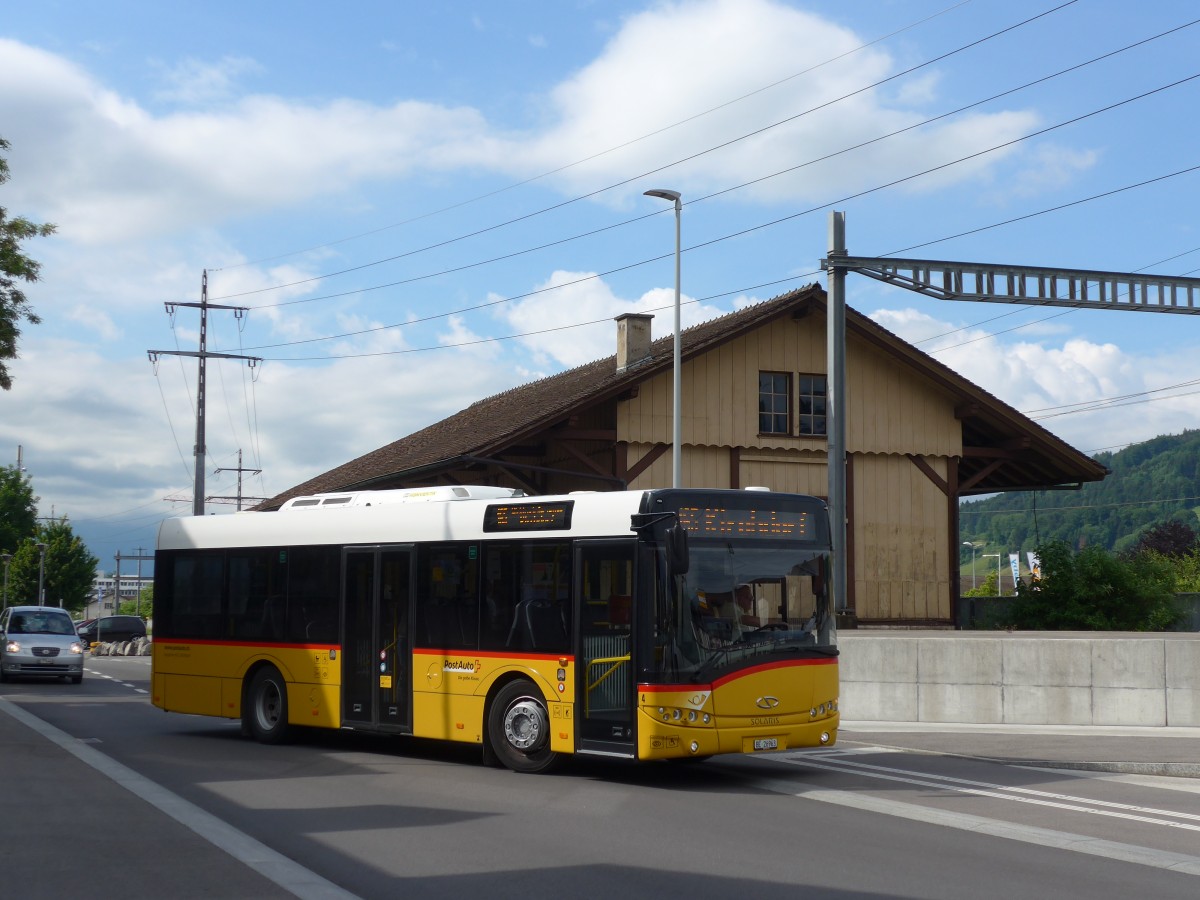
[(39, 642)]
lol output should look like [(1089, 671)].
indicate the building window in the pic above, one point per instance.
[(774, 402), (812, 394)]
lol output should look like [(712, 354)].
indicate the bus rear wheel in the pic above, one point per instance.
[(265, 713), (519, 728)]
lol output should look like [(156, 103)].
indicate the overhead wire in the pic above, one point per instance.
[(701, 199), (661, 168), (808, 211), (601, 153)]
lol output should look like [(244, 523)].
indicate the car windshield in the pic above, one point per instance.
[(40, 623)]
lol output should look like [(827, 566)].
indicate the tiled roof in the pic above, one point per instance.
[(504, 419)]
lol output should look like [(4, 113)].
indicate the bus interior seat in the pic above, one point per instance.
[(537, 625)]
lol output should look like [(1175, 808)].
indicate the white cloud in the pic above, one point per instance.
[(1049, 167), (106, 170), (1050, 381), (568, 298), (193, 81), (723, 49)]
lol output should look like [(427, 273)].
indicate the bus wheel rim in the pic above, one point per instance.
[(268, 706), (525, 725)]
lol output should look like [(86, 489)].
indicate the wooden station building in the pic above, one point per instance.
[(918, 438)]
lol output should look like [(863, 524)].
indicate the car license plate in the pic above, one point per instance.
[(766, 743), (46, 661)]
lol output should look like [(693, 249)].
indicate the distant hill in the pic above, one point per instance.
[(1151, 482)]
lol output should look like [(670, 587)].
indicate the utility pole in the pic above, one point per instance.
[(975, 281), (202, 357), (117, 583), (239, 470)]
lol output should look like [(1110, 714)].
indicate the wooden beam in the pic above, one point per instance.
[(851, 608), (583, 434), (735, 468), (646, 461), (930, 473), (981, 474), (583, 458), (952, 535)]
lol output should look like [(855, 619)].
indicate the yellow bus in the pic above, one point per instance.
[(659, 624)]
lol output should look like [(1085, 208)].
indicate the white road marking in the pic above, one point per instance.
[(1004, 792), (1183, 863), (288, 874)]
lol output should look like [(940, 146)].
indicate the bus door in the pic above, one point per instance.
[(604, 699), (376, 644)]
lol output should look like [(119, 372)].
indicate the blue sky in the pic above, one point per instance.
[(475, 174)]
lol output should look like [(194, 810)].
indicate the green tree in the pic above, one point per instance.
[(989, 587), (18, 508), (1095, 590), (142, 606), (15, 266), (23, 573), (70, 568)]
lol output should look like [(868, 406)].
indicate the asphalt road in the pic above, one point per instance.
[(372, 817)]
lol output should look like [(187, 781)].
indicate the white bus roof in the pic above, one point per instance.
[(367, 521), (403, 495)]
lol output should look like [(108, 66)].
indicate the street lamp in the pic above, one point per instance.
[(676, 465), (972, 545), (999, 584), (41, 574), (7, 558)]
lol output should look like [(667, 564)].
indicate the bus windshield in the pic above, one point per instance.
[(740, 603)]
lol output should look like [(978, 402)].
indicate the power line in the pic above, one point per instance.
[(634, 220), (663, 167), (601, 153), (805, 212), (965, 509)]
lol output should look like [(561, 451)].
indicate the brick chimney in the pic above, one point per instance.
[(633, 339)]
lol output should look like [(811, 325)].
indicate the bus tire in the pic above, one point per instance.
[(265, 714), (519, 728)]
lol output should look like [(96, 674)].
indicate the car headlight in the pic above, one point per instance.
[(76, 647), (12, 647)]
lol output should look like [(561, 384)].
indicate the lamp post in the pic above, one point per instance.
[(676, 465), (999, 585), (971, 544), (7, 558), (41, 574)]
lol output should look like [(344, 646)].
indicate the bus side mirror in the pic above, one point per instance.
[(677, 550)]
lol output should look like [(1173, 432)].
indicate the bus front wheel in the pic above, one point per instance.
[(265, 714), (519, 728)]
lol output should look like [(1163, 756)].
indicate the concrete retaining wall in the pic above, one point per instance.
[(1032, 678)]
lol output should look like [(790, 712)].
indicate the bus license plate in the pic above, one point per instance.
[(766, 743)]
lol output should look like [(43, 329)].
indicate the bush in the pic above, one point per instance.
[(1093, 590)]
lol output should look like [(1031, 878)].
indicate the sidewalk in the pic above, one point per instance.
[(1124, 750), (75, 820)]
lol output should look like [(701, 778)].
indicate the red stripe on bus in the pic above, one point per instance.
[(740, 673), (212, 643), (491, 654)]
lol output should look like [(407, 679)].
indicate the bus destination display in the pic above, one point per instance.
[(528, 516), (720, 521)]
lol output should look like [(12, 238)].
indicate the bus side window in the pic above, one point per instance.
[(196, 585), (542, 620), (314, 575), (499, 597), (447, 605)]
